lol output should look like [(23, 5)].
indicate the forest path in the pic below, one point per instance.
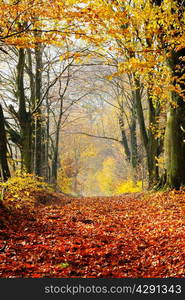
[(124, 236)]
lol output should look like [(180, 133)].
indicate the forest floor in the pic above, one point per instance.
[(102, 237)]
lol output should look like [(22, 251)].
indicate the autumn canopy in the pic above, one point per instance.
[(92, 104)]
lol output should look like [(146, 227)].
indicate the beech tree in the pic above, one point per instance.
[(22, 27), (174, 135), (151, 33)]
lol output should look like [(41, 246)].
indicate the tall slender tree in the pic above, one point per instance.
[(4, 168)]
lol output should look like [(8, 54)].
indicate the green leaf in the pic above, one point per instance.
[(63, 265)]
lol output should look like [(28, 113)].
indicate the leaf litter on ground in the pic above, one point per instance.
[(102, 237)]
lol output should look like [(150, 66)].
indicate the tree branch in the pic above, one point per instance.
[(97, 136)]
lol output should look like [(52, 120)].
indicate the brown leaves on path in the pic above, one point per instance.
[(100, 237)]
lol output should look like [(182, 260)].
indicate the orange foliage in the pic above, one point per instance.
[(99, 237)]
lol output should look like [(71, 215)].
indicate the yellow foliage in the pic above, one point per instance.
[(64, 182), (105, 177), (128, 187), (20, 191), (89, 152)]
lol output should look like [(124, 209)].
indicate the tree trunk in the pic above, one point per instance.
[(153, 144), (26, 149), (174, 150), (55, 156), (24, 116), (174, 135), (124, 137), (150, 143), (38, 119), (47, 140), (133, 146), (4, 169), (140, 114)]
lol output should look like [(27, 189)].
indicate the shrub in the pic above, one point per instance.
[(129, 187), (20, 191)]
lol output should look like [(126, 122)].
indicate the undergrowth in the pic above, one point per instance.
[(23, 191), (129, 187)]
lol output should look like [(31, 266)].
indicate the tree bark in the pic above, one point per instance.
[(133, 144), (4, 168), (151, 144), (124, 141), (38, 119), (174, 135), (25, 119), (140, 114)]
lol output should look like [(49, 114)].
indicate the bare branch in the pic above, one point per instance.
[(97, 136)]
